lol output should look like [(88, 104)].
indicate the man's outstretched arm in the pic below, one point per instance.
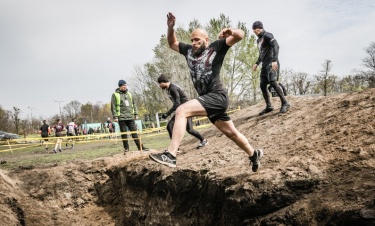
[(171, 36), (232, 35)]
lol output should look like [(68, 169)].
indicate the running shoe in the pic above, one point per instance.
[(202, 144), (255, 159), (284, 108), (164, 158), (266, 110)]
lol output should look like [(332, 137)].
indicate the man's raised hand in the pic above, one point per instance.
[(171, 20), (225, 33)]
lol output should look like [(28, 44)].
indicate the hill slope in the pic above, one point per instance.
[(318, 169)]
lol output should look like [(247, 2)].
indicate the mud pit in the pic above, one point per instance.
[(318, 169)]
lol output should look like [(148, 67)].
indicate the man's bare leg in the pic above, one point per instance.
[(184, 111), (228, 129)]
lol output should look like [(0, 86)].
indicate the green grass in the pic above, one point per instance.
[(34, 154)]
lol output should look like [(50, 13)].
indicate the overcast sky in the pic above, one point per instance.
[(64, 50)]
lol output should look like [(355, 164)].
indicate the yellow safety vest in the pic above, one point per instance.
[(118, 101)]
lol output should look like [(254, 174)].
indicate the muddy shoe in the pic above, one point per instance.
[(266, 110), (202, 144), (164, 158), (284, 108), (255, 159)]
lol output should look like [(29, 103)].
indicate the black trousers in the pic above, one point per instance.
[(189, 128), (132, 127), (269, 76)]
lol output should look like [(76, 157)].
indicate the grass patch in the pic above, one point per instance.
[(34, 154)]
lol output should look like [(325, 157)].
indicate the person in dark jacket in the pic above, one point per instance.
[(268, 56), (45, 131), (178, 97), (124, 112)]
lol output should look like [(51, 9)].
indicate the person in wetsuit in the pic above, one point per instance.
[(178, 97), (273, 92), (268, 56)]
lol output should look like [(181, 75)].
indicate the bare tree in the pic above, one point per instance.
[(287, 75), (86, 112), (73, 109), (16, 119), (325, 81), (369, 63), (5, 120), (300, 82)]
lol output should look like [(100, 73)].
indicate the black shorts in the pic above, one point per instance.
[(71, 134), (59, 135), (45, 139), (267, 74), (216, 105)]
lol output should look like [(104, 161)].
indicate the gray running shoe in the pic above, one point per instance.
[(255, 159), (202, 144), (284, 108), (164, 158)]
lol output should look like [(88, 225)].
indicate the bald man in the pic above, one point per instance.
[(204, 61)]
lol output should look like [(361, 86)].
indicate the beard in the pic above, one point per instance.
[(198, 51)]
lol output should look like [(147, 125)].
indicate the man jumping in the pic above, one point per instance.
[(204, 61)]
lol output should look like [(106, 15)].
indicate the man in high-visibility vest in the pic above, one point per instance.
[(124, 112)]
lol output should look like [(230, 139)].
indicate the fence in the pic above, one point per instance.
[(22, 143)]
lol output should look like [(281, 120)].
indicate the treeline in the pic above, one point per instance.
[(11, 122), (240, 80)]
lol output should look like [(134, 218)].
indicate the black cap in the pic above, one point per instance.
[(162, 78), (121, 83), (257, 24)]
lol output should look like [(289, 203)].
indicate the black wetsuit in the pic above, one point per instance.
[(268, 53), (178, 97)]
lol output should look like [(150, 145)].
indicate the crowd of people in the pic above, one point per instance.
[(70, 132)]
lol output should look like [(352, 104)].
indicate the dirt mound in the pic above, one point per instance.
[(318, 169)]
